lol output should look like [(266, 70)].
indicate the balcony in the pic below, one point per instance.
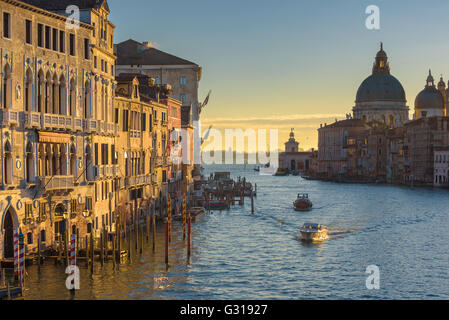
[(90, 125), (78, 124), (9, 118), (135, 134), (32, 120), (54, 121), (57, 183)]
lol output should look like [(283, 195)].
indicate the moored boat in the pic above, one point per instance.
[(302, 203), (313, 232), (217, 205)]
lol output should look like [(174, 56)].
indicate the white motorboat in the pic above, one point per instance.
[(313, 232)]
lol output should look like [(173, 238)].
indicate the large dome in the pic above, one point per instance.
[(430, 97), (381, 87)]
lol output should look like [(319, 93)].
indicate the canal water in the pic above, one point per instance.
[(239, 255)]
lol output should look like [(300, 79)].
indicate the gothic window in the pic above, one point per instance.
[(6, 87), (72, 98), (29, 172), (7, 163), (47, 93), (87, 99), (54, 95), (63, 161), (28, 90), (40, 91), (62, 96), (73, 160)]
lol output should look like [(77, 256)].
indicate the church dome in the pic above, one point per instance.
[(381, 85), (430, 97)]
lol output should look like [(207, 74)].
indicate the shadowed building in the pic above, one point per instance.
[(292, 159)]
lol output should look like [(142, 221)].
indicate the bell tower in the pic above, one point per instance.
[(292, 145), (381, 65)]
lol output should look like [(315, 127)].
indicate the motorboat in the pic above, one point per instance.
[(302, 203), (313, 232)]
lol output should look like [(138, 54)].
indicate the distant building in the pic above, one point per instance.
[(293, 159), (183, 75), (334, 141), (441, 167)]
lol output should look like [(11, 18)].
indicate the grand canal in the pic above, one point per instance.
[(239, 255)]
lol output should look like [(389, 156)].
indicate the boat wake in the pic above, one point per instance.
[(335, 234)]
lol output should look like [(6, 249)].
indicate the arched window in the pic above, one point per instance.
[(55, 95), (102, 103), (72, 98), (87, 100), (106, 102), (6, 87), (73, 161), (55, 161), (47, 95), (383, 119), (7, 164), (63, 161), (89, 167), (40, 90), (28, 90), (62, 96), (48, 155), (29, 168)]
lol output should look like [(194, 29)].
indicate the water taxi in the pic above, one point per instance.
[(303, 203), (313, 232)]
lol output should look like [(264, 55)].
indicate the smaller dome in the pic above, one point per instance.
[(441, 84), (430, 97)]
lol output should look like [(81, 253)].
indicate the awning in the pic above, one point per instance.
[(53, 137)]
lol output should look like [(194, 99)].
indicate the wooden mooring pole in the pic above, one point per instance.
[(252, 202), (154, 232), (189, 235), (166, 241), (39, 251), (101, 249), (148, 228), (92, 250)]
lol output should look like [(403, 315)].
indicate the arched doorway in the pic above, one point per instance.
[(60, 225), (8, 235), (293, 165)]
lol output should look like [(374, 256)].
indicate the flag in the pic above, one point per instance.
[(206, 101)]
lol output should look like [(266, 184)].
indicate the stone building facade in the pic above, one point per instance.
[(46, 72)]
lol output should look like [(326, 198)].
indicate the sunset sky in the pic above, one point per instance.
[(290, 63)]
